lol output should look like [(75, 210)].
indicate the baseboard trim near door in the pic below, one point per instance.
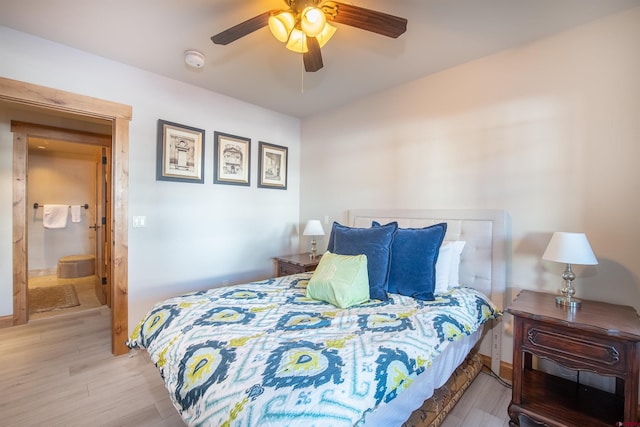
[(6, 321)]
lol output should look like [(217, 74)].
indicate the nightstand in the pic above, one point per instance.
[(293, 264), (597, 337)]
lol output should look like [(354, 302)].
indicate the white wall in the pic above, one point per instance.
[(197, 235), (549, 132)]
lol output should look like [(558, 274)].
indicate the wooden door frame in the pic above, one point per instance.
[(119, 115), (22, 131)]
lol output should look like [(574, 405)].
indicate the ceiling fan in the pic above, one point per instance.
[(304, 27)]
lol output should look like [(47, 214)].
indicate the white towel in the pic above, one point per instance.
[(55, 216), (76, 213)]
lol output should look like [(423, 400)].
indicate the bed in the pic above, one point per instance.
[(264, 353)]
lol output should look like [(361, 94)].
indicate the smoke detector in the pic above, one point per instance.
[(194, 59)]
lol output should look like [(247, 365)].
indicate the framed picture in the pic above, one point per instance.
[(272, 169), (180, 153), (232, 159)]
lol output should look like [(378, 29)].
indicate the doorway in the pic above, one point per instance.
[(81, 107), (68, 261)]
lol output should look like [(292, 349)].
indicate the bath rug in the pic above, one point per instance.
[(52, 298)]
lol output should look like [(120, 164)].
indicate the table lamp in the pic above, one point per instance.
[(569, 248), (313, 228)]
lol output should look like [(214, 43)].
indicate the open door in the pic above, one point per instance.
[(102, 228), (98, 147)]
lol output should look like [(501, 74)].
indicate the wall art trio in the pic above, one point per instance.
[(180, 157)]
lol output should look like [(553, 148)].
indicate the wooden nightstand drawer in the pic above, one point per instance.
[(574, 351), (286, 269), (294, 264)]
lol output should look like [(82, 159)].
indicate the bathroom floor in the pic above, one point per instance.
[(84, 288)]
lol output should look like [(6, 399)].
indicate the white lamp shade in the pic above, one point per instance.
[(313, 228), (570, 248)]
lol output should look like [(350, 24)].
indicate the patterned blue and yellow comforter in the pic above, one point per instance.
[(264, 354)]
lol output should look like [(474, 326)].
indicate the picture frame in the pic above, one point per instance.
[(180, 155), (272, 168), (232, 159)]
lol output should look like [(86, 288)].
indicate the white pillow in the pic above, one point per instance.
[(442, 268), (448, 265), (454, 267)]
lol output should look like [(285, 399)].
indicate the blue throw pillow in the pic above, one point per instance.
[(413, 260), (332, 238), (375, 243)]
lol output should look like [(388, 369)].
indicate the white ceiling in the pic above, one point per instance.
[(153, 34)]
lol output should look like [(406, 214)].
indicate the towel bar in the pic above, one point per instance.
[(36, 206)]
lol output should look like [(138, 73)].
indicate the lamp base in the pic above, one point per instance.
[(314, 250), (568, 302), (568, 291)]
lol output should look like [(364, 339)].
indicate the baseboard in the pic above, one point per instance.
[(506, 369), (6, 321)]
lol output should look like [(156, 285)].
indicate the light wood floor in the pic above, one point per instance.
[(484, 404), (60, 372)]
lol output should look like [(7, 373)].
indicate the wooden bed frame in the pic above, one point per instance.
[(483, 266)]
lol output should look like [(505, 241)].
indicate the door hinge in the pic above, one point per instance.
[(104, 280), (104, 160), (104, 220)]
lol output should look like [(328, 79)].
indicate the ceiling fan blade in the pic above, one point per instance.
[(312, 58), (367, 19), (242, 29)]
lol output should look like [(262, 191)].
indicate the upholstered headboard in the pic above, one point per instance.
[(483, 263)]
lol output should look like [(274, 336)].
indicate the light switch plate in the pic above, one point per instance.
[(139, 221)]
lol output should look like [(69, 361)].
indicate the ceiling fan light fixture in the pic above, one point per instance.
[(297, 41), (327, 32), (312, 21), (281, 25), (304, 28)]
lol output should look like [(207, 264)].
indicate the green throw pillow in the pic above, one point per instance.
[(341, 280)]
